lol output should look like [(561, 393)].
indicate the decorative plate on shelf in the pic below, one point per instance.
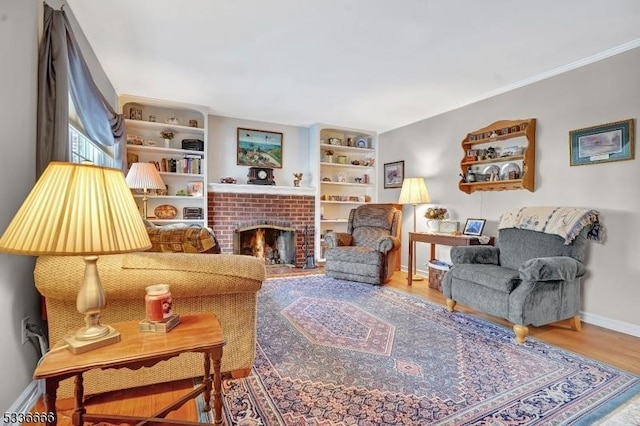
[(165, 211), (510, 171), (491, 169)]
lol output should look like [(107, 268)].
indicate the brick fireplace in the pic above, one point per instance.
[(232, 208)]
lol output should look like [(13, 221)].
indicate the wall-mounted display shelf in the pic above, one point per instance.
[(499, 157)]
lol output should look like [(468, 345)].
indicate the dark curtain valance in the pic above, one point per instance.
[(63, 72)]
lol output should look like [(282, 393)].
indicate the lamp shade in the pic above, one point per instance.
[(414, 191), (144, 176), (77, 209)]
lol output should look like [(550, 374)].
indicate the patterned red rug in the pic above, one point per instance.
[(333, 352)]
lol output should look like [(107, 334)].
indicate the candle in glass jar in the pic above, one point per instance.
[(158, 303)]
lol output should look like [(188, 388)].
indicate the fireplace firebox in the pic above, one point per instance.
[(275, 244)]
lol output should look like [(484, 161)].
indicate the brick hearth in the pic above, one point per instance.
[(227, 209)]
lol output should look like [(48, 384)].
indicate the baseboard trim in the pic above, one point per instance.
[(611, 324), (26, 400)]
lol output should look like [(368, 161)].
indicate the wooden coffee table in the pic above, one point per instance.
[(195, 333)]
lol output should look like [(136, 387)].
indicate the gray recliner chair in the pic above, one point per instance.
[(529, 278), (369, 251)]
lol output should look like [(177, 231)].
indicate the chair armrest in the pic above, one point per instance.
[(337, 239), (551, 269), (475, 254), (387, 243)]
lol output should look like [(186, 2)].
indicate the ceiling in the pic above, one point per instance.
[(368, 64)]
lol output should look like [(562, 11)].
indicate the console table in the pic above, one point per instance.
[(195, 333), (434, 239)]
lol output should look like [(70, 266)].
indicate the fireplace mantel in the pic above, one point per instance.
[(260, 189)]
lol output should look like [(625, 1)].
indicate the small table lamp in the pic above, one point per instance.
[(144, 176), (414, 191), (85, 210)]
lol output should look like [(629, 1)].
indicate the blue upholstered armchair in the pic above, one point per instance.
[(531, 277), (370, 249)]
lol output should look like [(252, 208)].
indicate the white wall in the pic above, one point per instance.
[(222, 160), (599, 93), (19, 25), (18, 297)]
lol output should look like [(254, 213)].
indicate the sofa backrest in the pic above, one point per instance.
[(368, 223), (519, 245)]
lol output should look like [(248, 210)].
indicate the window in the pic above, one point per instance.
[(84, 149)]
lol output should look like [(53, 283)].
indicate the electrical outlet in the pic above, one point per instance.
[(24, 330)]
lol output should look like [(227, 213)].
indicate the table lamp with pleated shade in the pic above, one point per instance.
[(414, 191), (144, 176), (82, 210)]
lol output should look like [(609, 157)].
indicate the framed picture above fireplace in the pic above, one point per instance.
[(259, 148)]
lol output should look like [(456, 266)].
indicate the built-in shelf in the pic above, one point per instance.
[(334, 220), (162, 150), (349, 166), (169, 197), (145, 144), (341, 148), (346, 184)]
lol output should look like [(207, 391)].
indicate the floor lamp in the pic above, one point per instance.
[(144, 176), (79, 210), (414, 191)]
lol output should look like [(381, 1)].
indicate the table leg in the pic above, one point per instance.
[(432, 254), (206, 381), (79, 411), (49, 399), (217, 387), (411, 260)]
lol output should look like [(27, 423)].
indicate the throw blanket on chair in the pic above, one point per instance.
[(566, 222)]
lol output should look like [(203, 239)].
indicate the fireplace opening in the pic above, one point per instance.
[(275, 245)]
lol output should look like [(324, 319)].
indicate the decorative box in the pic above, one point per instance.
[(193, 144), (448, 226)]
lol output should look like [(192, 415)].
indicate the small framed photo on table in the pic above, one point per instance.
[(474, 227)]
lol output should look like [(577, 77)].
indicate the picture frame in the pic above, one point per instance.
[(259, 148), (195, 189), (393, 174), (131, 158), (474, 227), (604, 143)]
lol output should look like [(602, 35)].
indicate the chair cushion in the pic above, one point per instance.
[(519, 245), (375, 215), (355, 255), (491, 276), (368, 236)]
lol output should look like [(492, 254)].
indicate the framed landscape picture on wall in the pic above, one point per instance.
[(259, 148), (598, 144)]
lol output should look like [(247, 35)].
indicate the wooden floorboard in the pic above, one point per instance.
[(613, 348)]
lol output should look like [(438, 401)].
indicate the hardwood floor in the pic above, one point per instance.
[(610, 347)]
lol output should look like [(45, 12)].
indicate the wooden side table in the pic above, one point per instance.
[(434, 239), (195, 333)]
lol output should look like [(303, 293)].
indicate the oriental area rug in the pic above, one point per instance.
[(334, 352)]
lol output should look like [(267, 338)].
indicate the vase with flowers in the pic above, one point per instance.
[(434, 215), (167, 135)]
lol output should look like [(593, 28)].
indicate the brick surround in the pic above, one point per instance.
[(226, 210)]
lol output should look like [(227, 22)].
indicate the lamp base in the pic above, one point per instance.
[(77, 346), (416, 278)]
